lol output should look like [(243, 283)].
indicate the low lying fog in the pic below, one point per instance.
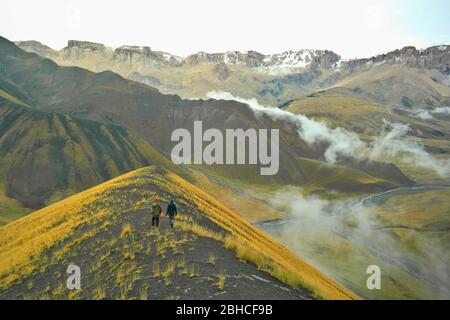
[(393, 140)]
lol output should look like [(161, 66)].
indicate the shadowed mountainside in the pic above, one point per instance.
[(47, 156)]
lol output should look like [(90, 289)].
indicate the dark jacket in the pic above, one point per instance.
[(171, 209)]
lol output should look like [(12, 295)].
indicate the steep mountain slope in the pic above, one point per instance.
[(47, 156), (343, 107), (38, 48), (106, 232), (398, 85), (107, 97), (271, 79), (432, 58)]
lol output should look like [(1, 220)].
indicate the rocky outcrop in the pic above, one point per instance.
[(437, 57), (85, 45), (38, 48), (272, 62), (129, 51), (134, 54), (77, 50), (146, 56)]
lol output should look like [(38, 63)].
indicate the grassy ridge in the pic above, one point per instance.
[(279, 258), (51, 228)]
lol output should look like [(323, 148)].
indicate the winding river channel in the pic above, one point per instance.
[(373, 199), (306, 237)]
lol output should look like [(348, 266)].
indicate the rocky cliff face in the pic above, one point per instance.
[(77, 50), (437, 57), (284, 61), (289, 60), (85, 45), (145, 55)]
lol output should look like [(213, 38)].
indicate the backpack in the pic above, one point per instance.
[(156, 210)]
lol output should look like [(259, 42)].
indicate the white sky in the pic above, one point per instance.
[(351, 28)]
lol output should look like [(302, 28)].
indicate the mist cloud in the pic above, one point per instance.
[(223, 95), (325, 232), (429, 114), (341, 141), (393, 141)]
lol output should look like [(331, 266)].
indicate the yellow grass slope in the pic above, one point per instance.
[(23, 241)]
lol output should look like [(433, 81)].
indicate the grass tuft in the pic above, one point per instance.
[(211, 258), (221, 280), (126, 230)]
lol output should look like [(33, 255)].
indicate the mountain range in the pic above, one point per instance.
[(419, 78), (106, 98)]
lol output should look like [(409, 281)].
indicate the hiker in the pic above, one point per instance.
[(171, 212), (156, 213)]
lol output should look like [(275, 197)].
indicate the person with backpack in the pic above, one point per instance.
[(156, 213), (171, 212)]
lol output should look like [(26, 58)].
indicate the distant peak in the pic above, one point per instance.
[(30, 42), (36, 47), (292, 59), (127, 49), (85, 45), (436, 57)]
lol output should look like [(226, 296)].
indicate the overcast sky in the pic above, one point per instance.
[(351, 28)]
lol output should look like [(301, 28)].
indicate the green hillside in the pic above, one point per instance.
[(47, 156)]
